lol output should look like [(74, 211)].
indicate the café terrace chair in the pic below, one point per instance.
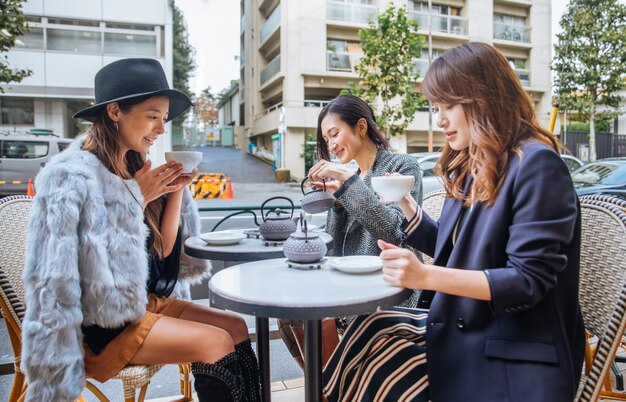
[(432, 204), (14, 215), (602, 294)]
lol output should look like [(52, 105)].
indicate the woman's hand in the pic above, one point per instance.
[(402, 268), (185, 178), (334, 174), (156, 182)]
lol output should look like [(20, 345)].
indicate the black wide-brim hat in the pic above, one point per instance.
[(132, 78)]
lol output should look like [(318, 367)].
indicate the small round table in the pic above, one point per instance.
[(249, 249), (269, 288)]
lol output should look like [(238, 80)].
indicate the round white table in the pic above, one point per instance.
[(269, 288), (249, 249)]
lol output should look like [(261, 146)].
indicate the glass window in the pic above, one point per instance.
[(24, 149), (74, 41), (17, 111), (133, 44), (133, 27), (32, 39), (82, 23)]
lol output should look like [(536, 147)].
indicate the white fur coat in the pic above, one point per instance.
[(86, 264)]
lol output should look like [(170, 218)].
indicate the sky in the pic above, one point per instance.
[(213, 27)]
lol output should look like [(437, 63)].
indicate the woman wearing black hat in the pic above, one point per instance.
[(104, 254)]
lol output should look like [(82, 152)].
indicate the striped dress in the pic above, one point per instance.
[(382, 357)]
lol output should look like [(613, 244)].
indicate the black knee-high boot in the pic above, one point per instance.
[(221, 381), (249, 369)]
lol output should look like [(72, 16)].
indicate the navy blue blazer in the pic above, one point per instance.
[(527, 343)]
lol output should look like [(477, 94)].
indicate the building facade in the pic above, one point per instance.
[(297, 55), (69, 41)]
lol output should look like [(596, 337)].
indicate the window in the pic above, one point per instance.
[(17, 111), (24, 149), (130, 44), (74, 41), (32, 39)]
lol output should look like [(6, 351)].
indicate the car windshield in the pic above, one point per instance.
[(606, 173)]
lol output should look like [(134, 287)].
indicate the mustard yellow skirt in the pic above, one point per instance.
[(117, 353)]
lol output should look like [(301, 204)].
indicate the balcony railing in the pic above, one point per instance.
[(342, 61), (515, 33), (449, 24), (524, 76), (350, 12), (270, 24), (272, 68)]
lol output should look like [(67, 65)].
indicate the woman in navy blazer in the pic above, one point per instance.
[(503, 319)]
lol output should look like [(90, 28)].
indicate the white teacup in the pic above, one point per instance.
[(189, 159), (392, 188)]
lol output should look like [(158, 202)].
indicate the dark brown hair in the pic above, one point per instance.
[(499, 112), (350, 109), (103, 140)]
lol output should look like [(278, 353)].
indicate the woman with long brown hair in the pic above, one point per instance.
[(105, 256), (498, 318)]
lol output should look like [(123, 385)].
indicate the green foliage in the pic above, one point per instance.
[(183, 57), (12, 25), (590, 59), (388, 70)]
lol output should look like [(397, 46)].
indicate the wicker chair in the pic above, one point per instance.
[(602, 294), (609, 199), (14, 215), (432, 204)]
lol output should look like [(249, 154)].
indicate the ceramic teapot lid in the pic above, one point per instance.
[(303, 233), (277, 215)]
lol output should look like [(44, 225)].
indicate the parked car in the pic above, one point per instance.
[(22, 156), (572, 162), (604, 176), (427, 162)]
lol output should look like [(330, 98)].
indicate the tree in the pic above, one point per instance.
[(388, 71), (205, 107), (590, 60), (12, 25), (183, 58)]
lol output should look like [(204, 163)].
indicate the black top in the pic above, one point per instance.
[(162, 276)]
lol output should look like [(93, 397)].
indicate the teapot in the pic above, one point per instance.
[(277, 227), (316, 201), (304, 247)]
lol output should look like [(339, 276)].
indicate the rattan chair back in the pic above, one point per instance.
[(432, 204), (602, 289), (609, 199)]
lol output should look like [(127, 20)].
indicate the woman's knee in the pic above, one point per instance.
[(214, 345), (238, 329)]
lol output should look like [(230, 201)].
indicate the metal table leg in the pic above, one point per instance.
[(263, 353), (313, 360)]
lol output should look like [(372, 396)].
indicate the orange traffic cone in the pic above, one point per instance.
[(228, 193), (30, 190)]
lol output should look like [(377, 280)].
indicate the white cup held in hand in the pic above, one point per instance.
[(392, 188), (189, 159)]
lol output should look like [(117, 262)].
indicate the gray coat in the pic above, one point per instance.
[(362, 219), (86, 264)]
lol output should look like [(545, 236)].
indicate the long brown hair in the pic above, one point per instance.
[(350, 109), (103, 140), (499, 112)]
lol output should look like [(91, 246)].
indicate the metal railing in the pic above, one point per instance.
[(272, 68), (515, 33), (270, 24), (342, 61), (523, 75), (350, 12), (449, 24)]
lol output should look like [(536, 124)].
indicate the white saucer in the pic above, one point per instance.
[(357, 264), (223, 238)]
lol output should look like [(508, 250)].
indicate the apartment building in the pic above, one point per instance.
[(297, 55), (69, 41)]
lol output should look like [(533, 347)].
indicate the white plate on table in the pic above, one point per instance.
[(357, 264), (222, 238)]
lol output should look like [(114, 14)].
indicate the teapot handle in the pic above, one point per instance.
[(312, 191), (306, 231), (274, 198)]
